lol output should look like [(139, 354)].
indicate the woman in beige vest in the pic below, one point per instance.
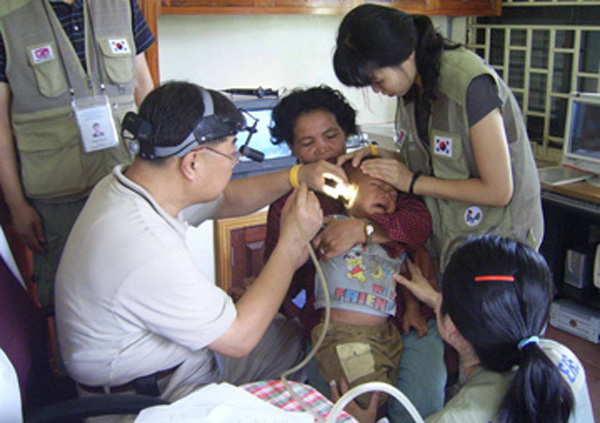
[(493, 308), (459, 130)]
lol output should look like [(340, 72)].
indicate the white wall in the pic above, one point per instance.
[(272, 51)]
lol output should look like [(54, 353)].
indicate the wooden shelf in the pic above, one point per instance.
[(154, 8), (326, 7), (242, 237)]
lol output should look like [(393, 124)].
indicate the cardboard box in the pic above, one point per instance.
[(574, 318), (383, 134)]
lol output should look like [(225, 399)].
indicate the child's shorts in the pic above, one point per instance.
[(359, 354)]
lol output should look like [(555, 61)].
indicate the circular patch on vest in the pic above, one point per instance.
[(473, 216)]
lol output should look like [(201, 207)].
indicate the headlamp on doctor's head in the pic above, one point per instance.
[(211, 127)]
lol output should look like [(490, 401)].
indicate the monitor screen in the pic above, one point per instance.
[(277, 157), (261, 139), (582, 143)]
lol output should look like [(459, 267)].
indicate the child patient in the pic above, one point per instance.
[(361, 345)]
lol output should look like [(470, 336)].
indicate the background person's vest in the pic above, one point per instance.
[(53, 164), (450, 156)]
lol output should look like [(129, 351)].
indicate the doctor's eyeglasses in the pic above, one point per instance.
[(235, 157)]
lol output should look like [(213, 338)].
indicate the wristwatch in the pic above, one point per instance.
[(369, 230)]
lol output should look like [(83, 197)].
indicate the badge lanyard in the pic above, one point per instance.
[(400, 133), (92, 113)]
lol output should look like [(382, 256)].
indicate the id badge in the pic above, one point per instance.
[(95, 122)]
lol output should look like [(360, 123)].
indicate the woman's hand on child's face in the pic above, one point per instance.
[(389, 170), (338, 236), (355, 156), (418, 285), (362, 415)]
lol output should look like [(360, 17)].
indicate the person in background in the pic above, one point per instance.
[(134, 312), (460, 133), (493, 308), (54, 53), (315, 123)]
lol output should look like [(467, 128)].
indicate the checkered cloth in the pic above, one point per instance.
[(274, 392)]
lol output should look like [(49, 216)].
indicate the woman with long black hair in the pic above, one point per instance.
[(493, 309), (459, 130)]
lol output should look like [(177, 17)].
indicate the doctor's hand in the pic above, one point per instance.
[(312, 174), (301, 218), (28, 226)]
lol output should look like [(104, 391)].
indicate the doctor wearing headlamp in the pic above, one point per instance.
[(134, 313)]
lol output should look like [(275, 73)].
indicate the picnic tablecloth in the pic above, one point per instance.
[(275, 392)]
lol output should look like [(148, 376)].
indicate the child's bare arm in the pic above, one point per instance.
[(412, 317)]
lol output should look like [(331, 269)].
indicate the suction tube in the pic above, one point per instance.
[(369, 387)]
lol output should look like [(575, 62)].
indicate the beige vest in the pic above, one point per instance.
[(450, 156), (54, 166)]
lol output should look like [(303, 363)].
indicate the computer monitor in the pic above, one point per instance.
[(582, 141), (277, 157), (261, 139)]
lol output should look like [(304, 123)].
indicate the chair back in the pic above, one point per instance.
[(24, 339), (45, 398)]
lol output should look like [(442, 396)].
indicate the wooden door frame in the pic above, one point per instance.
[(223, 228), (152, 10)]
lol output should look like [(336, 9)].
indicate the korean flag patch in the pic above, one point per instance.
[(443, 146), (42, 54), (119, 46)]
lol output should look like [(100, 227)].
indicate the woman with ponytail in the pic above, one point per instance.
[(460, 134), (493, 309)]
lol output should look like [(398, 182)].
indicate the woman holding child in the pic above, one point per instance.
[(315, 123)]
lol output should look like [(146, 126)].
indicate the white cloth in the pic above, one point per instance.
[(10, 395), (221, 403), (480, 398), (8, 257), (130, 300)]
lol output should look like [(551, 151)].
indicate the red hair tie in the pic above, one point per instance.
[(498, 278)]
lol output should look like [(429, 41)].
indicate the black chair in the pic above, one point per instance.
[(46, 397)]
